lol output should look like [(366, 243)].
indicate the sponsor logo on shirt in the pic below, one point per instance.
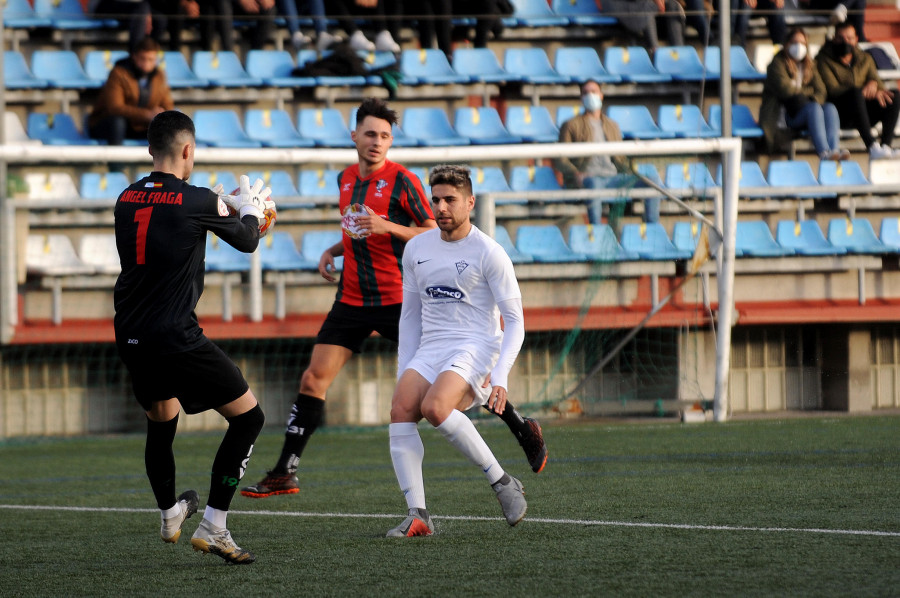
[(346, 187), (442, 292), (153, 185)]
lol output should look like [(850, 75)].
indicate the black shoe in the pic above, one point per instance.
[(534, 446), (272, 484)]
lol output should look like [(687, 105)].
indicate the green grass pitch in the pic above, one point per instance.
[(805, 506)]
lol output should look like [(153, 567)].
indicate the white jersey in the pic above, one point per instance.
[(460, 284)]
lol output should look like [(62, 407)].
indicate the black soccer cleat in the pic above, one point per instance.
[(532, 442), (273, 484)]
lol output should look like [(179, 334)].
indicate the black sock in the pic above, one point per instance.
[(233, 455), (160, 460), (511, 417), (306, 415)]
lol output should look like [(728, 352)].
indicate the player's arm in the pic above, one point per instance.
[(249, 205), (326, 261), (373, 224), (410, 328), (513, 337)]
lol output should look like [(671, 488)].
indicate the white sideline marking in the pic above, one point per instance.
[(687, 526)]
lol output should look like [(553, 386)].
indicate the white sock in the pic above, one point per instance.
[(172, 512), (407, 452), (461, 433), (215, 516)]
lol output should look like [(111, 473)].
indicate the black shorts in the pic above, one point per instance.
[(349, 325), (201, 379)]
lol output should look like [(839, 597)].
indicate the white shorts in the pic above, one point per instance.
[(471, 362)]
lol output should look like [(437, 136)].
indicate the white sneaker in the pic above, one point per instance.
[(385, 43), (299, 40), (217, 540), (512, 499), (880, 152), (839, 14), (358, 41), (895, 153), (170, 530), (326, 40)]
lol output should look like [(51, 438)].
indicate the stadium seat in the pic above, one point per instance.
[(741, 67), (582, 12), (752, 183), (686, 234), (222, 257), (53, 255), (845, 172), (69, 15), (501, 235), (648, 170), (307, 56), (56, 129), (690, 177), (582, 64), (681, 63), (99, 251), (278, 252), (480, 65), (598, 243), (14, 131), (314, 243), (754, 239), (107, 185), (280, 181), (62, 69), (273, 68), (742, 122), (805, 238), (98, 63), (533, 178), (431, 127), (19, 14), (55, 186), (685, 120), (222, 68), (545, 243), (325, 126), (651, 242), (488, 179), (483, 126), (532, 123), (531, 65), (856, 236), (320, 183), (221, 128), (636, 122), (205, 178), (377, 60), (567, 112), (633, 64), (273, 128), (178, 73), (890, 232), (17, 75), (786, 175), (428, 67), (534, 13)]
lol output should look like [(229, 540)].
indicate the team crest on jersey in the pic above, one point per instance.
[(346, 187), (379, 185), (461, 265)]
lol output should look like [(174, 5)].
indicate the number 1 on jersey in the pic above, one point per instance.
[(142, 217)]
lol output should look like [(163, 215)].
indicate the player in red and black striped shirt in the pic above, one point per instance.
[(383, 206)]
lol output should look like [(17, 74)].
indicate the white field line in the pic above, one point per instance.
[(545, 520)]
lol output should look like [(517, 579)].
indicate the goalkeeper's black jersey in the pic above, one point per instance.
[(161, 229)]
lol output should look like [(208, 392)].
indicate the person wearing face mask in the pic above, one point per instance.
[(597, 172), (854, 87), (794, 85)]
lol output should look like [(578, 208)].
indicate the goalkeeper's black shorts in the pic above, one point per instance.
[(201, 379), (349, 325)]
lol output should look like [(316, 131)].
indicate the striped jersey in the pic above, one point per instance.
[(373, 273)]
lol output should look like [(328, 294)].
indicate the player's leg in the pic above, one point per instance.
[(528, 432)]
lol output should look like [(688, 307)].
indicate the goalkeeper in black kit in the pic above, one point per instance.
[(161, 225)]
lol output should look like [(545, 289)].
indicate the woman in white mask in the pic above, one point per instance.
[(794, 89)]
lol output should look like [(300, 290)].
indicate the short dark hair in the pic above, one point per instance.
[(375, 107), (845, 25), (165, 129), (454, 175), (147, 44)]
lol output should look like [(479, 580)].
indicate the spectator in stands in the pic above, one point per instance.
[(854, 87), (793, 85), (435, 22), (384, 16), (170, 15), (642, 18), (849, 11), (133, 94), (218, 15), (597, 172), (742, 11), (489, 19), (136, 13), (316, 9)]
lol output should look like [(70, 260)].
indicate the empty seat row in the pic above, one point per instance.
[(58, 14)]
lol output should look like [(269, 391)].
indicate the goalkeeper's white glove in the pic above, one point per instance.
[(232, 201), (252, 200)]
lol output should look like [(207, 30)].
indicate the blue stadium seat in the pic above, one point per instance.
[(856, 236), (751, 177), (205, 178), (319, 183), (483, 126), (428, 67), (692, 177), (567, 112), (280, 181), (278, 252), (686, 234), (325, 126), (533, 178), (56, 129), (633, 64), (582, 64), (273, 128), (178, 73), (222, 68), (754, 239), (531, 65), (222, 257), (682, 63), (501, 235), (545, 243), (743, 124), (62, 69), (19, 14), (306, 56), (845, 172), (69, 15), (221, 128), (96, 185), (598, 243), (314, 243), (532, 123), (786, 175), (98, 63), (805, 238), (480, 65), (636, 122), (685, 120), (431, 127), (741, 67), (273, 67), (488, 179), (890, 232), (534, 13), (648, 170), (582, 12), (17, 75), (99, 251), (651, 242), (377, 60)]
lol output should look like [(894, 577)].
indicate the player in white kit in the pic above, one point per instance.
[(453, 355)]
